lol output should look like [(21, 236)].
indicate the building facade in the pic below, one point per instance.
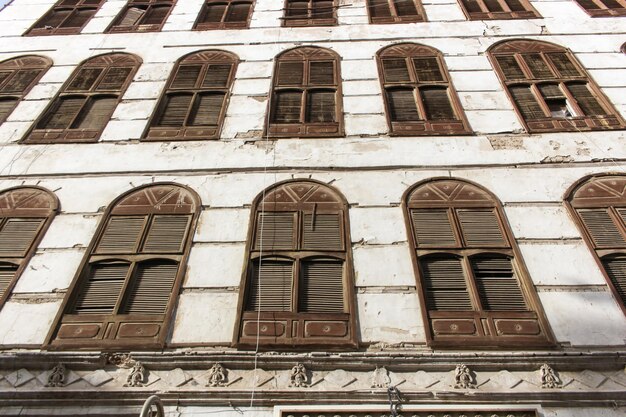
[(313, 208)]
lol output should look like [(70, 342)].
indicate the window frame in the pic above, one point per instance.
[(484, 320), (205, 58), (17, 64), (394, 16), (308, 21), (423, 126), (114, 27), (36, 135), (507, 13), (304, 129), (34, 30), (223, 24), (604, 11), (612, 120), (297, 255), (573, 203)]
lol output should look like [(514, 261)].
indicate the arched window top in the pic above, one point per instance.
[(27, 201), (599, 190), (310, 53), (408, 50), (522, 45), (447, 192), (114, 59), (209, 55), (300, 194), (26, 61), (157, 198)]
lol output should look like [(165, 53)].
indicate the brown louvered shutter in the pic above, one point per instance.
[(150, 288), (269, 286), (78, 18), (586, 100), (275, 230), (238, 12), (321, 287), (497, 285), (114, 79), (510, 68), (96, 114), (320, 106), (445, 285), (321, 9), (131, 17), (7, 273), (493, 5), (290, 73), (515, 5), (6, 107), (564, 65), (121, 234), (156, 15), (480, 227), (616, 268), (437, 104), (63, 114), (427, 69), (526, 102), (217, 75), (322, 73), (588, 4), (472, 6), (213, 13), (538, 67), (175, 110), (3, 76), (405, 7), (17, 235), (402, 106), (167, 234), (102, 288), (20, 81), (379, 10), (602, 229), (321, 232), (85, 79), (287, 106), (396, 70), (207, 109), (186, 76), (54, 19), (432, 227)]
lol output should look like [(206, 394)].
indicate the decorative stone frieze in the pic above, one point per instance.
[(137, 376), (298, 376), (56, 377), (549, 378), (463, 378), (217, 376)]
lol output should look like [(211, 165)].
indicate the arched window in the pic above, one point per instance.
[(17, 77), (306, 94), (598, 205), (67, 17), (551, 91), (418, 93), (25, 214), (87, 100), (298, 285), (603, 8), (472, 283), (224, 14), (128, 282), (498, 9), (194, 102), (310, 13), (142, 16), (395, 11)]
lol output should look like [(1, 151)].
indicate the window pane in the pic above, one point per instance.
[(437, 104), (321, 287), (444, 283), (6, 107), (186, 76), (603, 230), (287, 106), (427, 69), (290, 73), (564, 65), (78, 18), (510, 68), (155, 15), (206, 110), (555, 100), (96, 114), (150, 288), (17, 236), (131, 17), (496, 283), (121, 235), (213, 13), (62, 114), (322, 232), (297, 9), (472, 6), (321, 106), (588, 4), (102, 289), (85, 79), (7, 272), (166, 234), (612, 4), (396, 70), (379, 8), (480, 228), (322, 73), (175, 110), (586, 100), (526, 102), (53, 19), (114, 79), (322, 9), (269, 287), (217, 75), (538, 67), (4, 75), (493, 5), (275, 231), (432, 227), (21, 80), (616, 269), (516, 5), (405, 7), (402, 107), (238, 12)]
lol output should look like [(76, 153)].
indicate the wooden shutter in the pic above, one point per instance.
[(480, 227), (445, 285), (6, 107), (602, 229), (321, 9), (167, 234), (186, 76), (510, 68), (275, 278), (217, 75), (175, 110), (96, 114), (238, 12), (497, 285), (402, 106), (102, 288), (515, 6), (85, 79), (121, 234), (78, 18), (396, 70), (7, 273), (321, 287), (432, 227), (321, 232), (114, 79), (616, 269), (379, 10), (564, 65), (405, 8), (53, 19), (427, 69), (322, 73), (20, 81), (150, 288), (3, 76), (275, 231), (207, 109), (538, 67), (493, 5), (155, 15), (588, 4), (472, 6), (213, 13), (290, 73), (586, 100), (287, 106), (437, 104), (17, 235), (526, 102), (321, 106), (131, 17)]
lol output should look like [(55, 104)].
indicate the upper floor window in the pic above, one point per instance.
[(142, 16), (471, 280), (310, 13), (395, 11), (17, 77), (306, 95), (604, 8), (298, 278), (599, 207), (418, 93), (25, 214), (194, 102), (86, 101), (128, 282), (67, 17), (224, 14), (498, 9), (551, 91)]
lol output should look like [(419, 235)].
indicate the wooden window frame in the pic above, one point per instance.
[(38, 30), (507, 13), (600, 192), (517, 48), (25, 202), (288, 329), (603, 10), (424, 126), (79, 135), (15, 65), (128, 330), (394, 16), (309, 20), (479, 327), (189, 132), (198, 25), (303, 129), (115, 26)]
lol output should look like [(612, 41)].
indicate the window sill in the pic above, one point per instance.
[(156, 134)]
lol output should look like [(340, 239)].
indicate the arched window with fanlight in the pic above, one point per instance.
[(598, 205), (25, 214), (125, 290), (549, 88), (298, 280), (473, 286)]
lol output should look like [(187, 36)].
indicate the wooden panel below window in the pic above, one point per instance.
[(573, 124), (310, 130), (428, 128)]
